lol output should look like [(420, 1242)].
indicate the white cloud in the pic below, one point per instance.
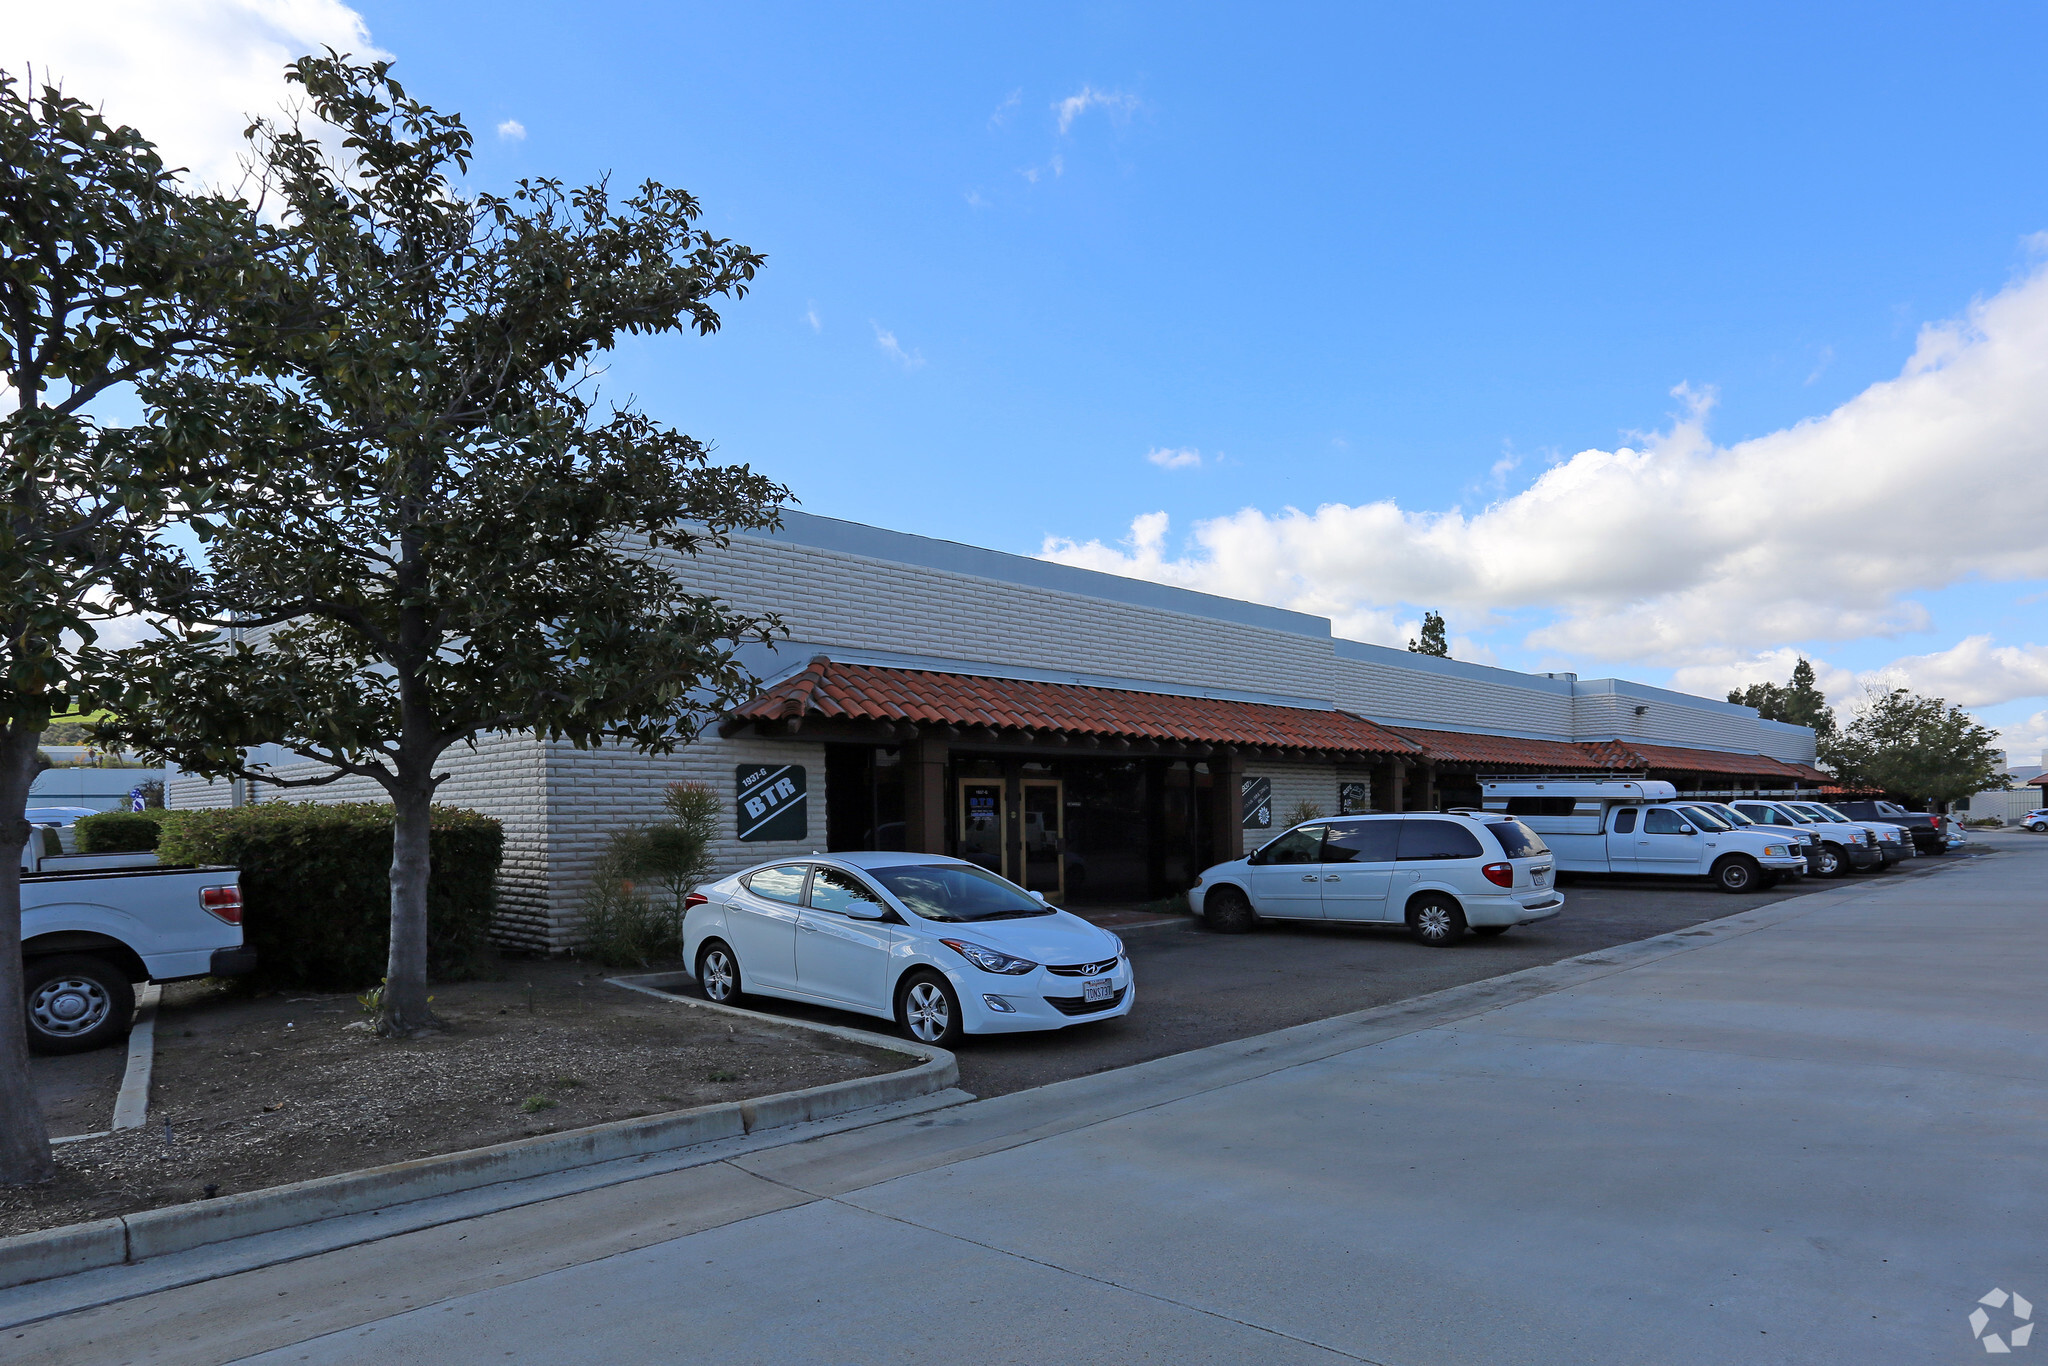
[(2026, 742), (1006, 108), (188, 73), (1088, 97), (512, 130), (811, 316), (1186, 458), (1974, 672), (1684, 553), (909, 360)]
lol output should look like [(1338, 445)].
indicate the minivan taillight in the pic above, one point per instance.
[(695, 899), (223, 903), (1500, 874)]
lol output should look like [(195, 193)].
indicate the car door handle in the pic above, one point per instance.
[(807, 925), (1308, 877), (1333, 879)]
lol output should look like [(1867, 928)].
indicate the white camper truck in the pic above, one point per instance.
[(1634, 825)]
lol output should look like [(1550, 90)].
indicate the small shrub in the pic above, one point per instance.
[(533, 1105), (316, 886), (1304, 811), (120, 832), (624, 923), (725, 1076), (623, 927)]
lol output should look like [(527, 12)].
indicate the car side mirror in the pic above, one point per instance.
[(865, 910), (1040, 897), (1687, 830)]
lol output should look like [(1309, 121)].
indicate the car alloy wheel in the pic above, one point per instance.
[(1830, 861), (1736, 874), (927, 1011), (1437, 922), (718, 973)]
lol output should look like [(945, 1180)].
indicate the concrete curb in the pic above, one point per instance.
[(131, 1106), (54, 1252)]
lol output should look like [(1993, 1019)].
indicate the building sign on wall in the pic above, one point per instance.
[(771, 801), (1353, 799), (1257, 803)]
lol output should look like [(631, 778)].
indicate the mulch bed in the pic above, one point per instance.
[(275, 1089)]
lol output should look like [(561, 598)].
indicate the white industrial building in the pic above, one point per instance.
[(1097, 738)]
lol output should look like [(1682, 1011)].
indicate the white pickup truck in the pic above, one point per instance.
[(93, 925), (1640, 827)]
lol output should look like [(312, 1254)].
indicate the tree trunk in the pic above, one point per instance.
[(404, 1007), (24, 1139)]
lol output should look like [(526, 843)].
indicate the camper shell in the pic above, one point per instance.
[(1626, 823)]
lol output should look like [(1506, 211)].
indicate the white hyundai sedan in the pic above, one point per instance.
[(939, 945)]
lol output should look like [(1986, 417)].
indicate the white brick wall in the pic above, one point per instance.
[(1294, 784)]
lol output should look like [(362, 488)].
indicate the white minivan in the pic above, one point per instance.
[(1437, 873)]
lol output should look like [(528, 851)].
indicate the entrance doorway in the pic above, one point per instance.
[(982, 808), (1045, 838)]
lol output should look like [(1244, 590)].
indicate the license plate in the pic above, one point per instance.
[(1096, 989), (1539, 876)]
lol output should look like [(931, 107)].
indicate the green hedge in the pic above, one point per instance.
[(316, 886), (120, 832)]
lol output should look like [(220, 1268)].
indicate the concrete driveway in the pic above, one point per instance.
[(1812, 1132)]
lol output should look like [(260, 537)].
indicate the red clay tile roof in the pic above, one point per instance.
[(1808, 773), (1558, 756), (830, 688), (2038, 780), (1686, 760)]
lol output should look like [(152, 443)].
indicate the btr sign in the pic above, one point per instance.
[(771, 801)]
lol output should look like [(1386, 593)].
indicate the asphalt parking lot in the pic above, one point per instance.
[(1196, 988)]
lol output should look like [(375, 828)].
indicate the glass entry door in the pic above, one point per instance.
[(1045, 838), (981, 823)]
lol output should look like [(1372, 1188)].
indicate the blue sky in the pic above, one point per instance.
[(1407, 259)]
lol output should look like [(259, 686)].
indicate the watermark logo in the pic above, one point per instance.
[(2016, 1333)]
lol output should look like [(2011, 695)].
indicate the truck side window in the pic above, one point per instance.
[(1625, 821), (1662, 820)]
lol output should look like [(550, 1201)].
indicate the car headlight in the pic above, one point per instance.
[(1773, 850), (988, 960), (1119, 944)]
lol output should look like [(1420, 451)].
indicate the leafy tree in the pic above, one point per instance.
[(1799, 703), (110, 281), (466, 543), (1919, 747), (1434, 640)]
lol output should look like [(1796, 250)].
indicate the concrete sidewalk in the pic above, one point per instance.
[(1817, 1136)]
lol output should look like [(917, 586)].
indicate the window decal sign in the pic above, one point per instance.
[(1354, 799), (771, 801), (1257, 803)]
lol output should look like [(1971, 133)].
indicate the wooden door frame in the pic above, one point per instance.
[(1059, 805)]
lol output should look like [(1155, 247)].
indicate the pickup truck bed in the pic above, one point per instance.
[(88, 935)]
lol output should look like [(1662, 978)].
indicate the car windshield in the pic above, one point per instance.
[(1708, 817), (1732, 816), (1517, 840), (1832, 814), (1818, 813), (958, 892)]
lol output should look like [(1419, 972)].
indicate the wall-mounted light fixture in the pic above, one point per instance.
[(1641, 710)]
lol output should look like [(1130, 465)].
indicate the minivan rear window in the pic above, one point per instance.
[(1517, 840), (1428, 839)]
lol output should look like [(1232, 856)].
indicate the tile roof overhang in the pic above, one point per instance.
[(1681, 759), (970, 708), (1461, 748)]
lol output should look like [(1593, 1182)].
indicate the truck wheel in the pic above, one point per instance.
[(1436, 921), (1737, 873), (76, 1003), (1833, 863), (1226, 910)]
